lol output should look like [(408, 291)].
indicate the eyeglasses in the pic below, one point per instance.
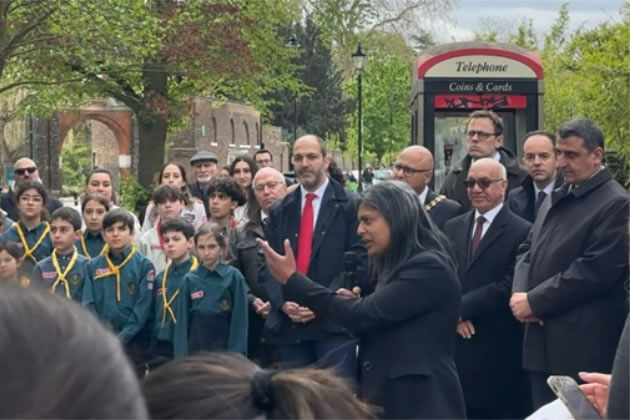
[(22, 171), (481, 134), (483, 183), (271, 185), (31, 198), (407, 170)]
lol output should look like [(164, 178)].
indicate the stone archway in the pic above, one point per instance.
[(117, 118)]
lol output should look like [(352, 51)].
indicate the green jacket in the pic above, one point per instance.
[(43, 250), (210, 293), (93, 244), (45, 275), (126, 308)]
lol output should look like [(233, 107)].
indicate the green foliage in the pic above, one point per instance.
[(76, 158), (133, 195)]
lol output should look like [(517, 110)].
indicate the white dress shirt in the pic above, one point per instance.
[(423, 196), (547, 190), (317, 201), (489, 216)]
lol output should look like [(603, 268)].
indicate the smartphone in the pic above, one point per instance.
[(568, 391)]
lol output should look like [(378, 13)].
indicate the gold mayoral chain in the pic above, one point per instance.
[(61, 277), (433, 202)]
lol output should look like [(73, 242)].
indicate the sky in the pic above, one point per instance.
[(586, 13)]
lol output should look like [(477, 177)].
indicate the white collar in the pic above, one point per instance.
[(490, 214), (423, 195), (547, 190), (319, 192)]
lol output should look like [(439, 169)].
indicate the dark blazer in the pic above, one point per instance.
[(200, 193), (9, 205), (335, 233), (455, 189), (573, 266), (489, 363), (522, 200), (441, 209), (406, 328)]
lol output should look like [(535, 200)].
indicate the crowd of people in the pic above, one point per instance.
[(424, 305)]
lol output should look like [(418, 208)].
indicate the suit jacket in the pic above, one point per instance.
[(406, 328), (455, 189), (573, 267), (9, 205), (522, 200), (441, 209), (334, 234), (198, 192), (489, 363)]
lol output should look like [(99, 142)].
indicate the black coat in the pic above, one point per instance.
[(522, 200), (455, 189), (9, 205), (440, 208), (202, 194), (489, 363), (573, 267), (335, 233), (407, 333)]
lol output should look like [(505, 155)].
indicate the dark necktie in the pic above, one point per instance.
[(477, 235), (539, 200), (305, 235)]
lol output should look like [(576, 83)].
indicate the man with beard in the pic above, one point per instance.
[(204, 166), (319, 219)]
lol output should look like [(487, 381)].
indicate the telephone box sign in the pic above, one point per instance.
[(481, 66)]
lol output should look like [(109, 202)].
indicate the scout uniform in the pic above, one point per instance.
[(118, 289), (35, 245), (212, 312), (91, 245), (151, 245), (62, 274), (165, 299)]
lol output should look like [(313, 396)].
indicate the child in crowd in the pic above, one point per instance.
[(119, 285), (169, 201), (91, 243), (178, 242), (65, 270), (31, 233), (212, 311), (10, 261), (225, 195)]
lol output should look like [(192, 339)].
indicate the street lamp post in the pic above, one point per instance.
[(293, 44), (359, 58)]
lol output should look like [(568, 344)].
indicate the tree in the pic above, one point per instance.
[(153, 56)]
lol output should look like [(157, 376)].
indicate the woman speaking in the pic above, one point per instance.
[(406, 322)]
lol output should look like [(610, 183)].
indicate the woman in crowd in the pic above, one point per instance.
[(228, 386), (243, 170), (175, 174), (68, 366), (407, 318), (93, 208)]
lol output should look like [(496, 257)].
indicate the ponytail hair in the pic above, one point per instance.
[(229, 386)]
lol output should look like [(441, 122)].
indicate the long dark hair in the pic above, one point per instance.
[(411, 230), (253, 167)]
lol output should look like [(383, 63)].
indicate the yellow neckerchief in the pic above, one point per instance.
[(28, 252), (114, 270), (168, 302), (85, 251), (61, 277)]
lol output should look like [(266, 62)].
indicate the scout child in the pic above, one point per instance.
[(10, 260), (64, 272), (31, 233), (212, 311), (119, 285), (170, 201), (91, 243), (178, 242), (225, 195)]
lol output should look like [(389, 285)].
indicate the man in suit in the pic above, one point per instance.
[(414, 166), (319, 219), (540, 162), (488, 349), (24, 169), (570, 274), (484, 134)]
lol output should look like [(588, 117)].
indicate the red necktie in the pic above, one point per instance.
[(305, 235), (477, 235)]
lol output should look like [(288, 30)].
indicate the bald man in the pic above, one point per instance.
[(488, 347), (415, 167), (24, 169)]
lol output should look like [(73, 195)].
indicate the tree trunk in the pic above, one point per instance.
[(152, 138)]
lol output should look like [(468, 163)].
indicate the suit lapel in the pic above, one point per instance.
[(327, 210), (496, 229), (294, 210)]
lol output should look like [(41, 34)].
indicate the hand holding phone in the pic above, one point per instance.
[(568, 391)]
